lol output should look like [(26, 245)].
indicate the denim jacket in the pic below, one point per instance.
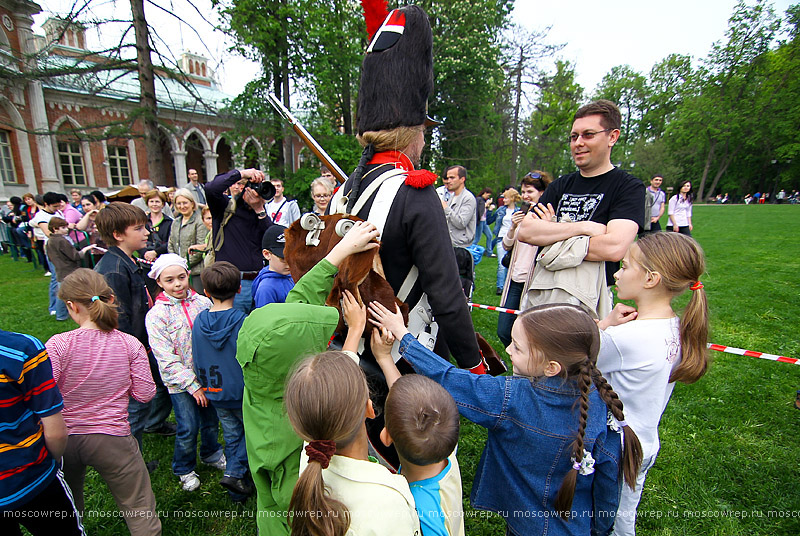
[(126, 279), (532, 424)]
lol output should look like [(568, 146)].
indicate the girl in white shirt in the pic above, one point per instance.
[(680, 209), (341, 489), (644, 350)]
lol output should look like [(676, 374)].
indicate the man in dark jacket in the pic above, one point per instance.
[(238, 227)]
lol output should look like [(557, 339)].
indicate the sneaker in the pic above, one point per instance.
[(236, 485), (190, 482), (219, 464), (47, 274), (52, 313), (163, 429)]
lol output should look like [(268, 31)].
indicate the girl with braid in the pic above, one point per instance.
[(554, 457), (645, 350)]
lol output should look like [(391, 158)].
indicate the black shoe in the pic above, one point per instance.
[(236, 485), (163, 429), (152, 465), (499, 292)]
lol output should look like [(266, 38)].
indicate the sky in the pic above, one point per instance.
[(640, 33), (598, 35)]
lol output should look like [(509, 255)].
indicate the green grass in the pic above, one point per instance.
[(729, 442)]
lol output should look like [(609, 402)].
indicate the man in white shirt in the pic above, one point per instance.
[(659, 202), (281, 210), (196, 187), (144, 186)]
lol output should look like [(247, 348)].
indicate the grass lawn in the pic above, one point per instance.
[(729, 456)]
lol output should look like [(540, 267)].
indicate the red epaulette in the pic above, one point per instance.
[(420, 178)]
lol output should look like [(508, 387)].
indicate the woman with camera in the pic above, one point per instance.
[(519, 256)]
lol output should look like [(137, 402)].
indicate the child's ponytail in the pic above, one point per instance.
[(309, 497), (680, 262), (88, 288), (694, 337), (326, 399)]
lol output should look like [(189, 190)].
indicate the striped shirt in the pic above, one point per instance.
[(97, 371), (27, 393)]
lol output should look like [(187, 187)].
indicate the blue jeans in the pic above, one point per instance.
[(235, 449), (502, 271), (481, 230), (506, 320), (190, 419), (244, 300), (56, 304), (137, 417)]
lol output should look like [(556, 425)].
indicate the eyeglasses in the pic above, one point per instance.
[(588, 135), (322, 196), (533, 175)]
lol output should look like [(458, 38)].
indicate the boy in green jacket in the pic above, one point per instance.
[(272, 339)]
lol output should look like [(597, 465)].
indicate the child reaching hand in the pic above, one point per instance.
[(271, 341), (644, 350), (553, 458), (422, 422)]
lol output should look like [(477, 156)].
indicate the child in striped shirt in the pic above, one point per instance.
[(98, 368)]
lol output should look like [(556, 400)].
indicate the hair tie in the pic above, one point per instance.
[(586, 465), (321, 451), (95, 298), (697, 286), (622, 424)]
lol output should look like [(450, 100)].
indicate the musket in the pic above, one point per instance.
[(307, 138)]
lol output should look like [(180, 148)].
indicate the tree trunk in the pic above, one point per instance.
[(709, 159), (726, 161), (515, 128), (147, 92)]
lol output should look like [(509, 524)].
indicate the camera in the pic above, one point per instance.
[(264, 188), (525, 207)]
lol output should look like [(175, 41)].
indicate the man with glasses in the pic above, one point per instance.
[(599, 200)]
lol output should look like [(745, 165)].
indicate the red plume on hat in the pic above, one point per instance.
[(375, 12)]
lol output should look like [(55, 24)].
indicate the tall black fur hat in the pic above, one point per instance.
[(397, 73)]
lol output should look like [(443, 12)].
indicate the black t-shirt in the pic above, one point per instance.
[(614, 195)]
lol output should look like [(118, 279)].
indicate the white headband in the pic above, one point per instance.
[(165, 261)]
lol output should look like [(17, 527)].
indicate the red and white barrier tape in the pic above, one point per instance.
[(751, 353), (494, 308), (715, 347)]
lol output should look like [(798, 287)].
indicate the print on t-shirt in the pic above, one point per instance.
[(579, 207)]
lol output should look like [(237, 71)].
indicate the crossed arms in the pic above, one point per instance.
[(607, 242)]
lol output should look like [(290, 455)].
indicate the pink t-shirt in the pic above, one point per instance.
[(96, 372)]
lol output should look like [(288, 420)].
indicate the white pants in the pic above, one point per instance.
[(625, 524)]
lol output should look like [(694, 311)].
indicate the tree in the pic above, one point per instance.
[(468, 81), (723, 110), (628, 89), (522, 52), (546, 146), (155, 164)]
